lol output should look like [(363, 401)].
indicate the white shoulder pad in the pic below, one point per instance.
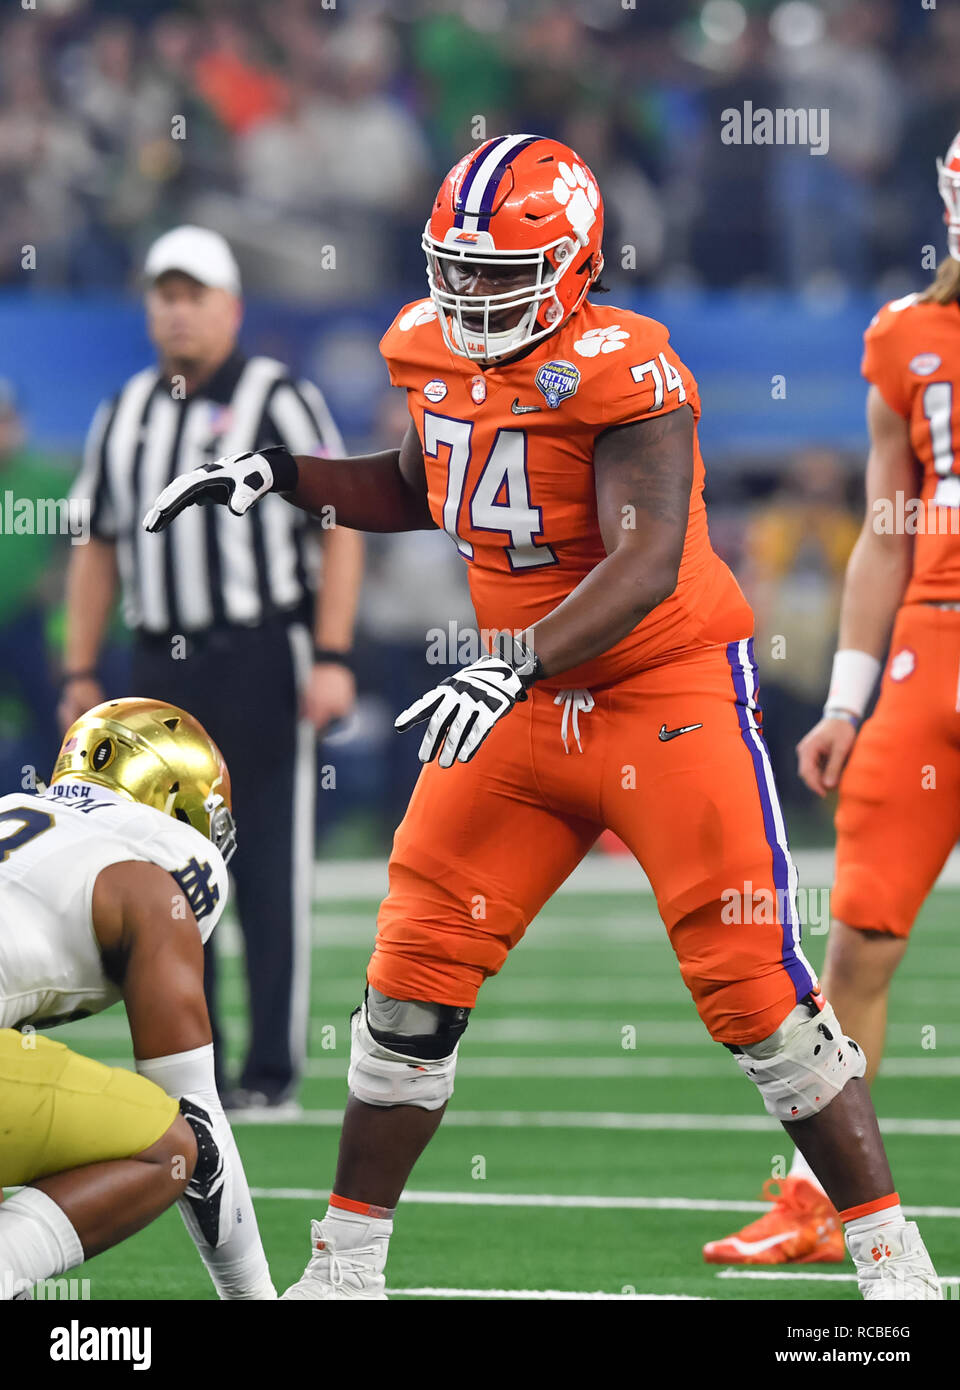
[(109, 828), (192, 859), (896, 306)]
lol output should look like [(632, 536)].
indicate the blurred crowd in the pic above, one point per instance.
[(298, 125)]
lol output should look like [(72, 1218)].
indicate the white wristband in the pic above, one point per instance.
[(852, 680)]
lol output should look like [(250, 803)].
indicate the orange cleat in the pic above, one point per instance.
[(802, 1227)]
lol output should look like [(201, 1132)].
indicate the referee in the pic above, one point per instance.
[(224, 614)]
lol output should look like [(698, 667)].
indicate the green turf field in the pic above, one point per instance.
[(568, 1161)]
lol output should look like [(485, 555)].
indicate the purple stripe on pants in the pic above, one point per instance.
[(798, 971)]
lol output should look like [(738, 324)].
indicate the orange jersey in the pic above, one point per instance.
[(912, 356), (509, 465)]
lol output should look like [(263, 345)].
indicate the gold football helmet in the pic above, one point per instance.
[(158, 755)]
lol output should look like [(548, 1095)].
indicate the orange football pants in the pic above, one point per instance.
[(485, 844), (898, 813)]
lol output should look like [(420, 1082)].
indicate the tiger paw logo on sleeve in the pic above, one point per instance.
[(597, 340), (417, 314)]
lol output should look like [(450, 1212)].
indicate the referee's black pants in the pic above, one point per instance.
[(243, 684)]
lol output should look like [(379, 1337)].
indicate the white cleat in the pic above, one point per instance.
[(341, 1273), (893, 1264)]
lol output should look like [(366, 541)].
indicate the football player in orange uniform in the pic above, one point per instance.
[(898, 812), (556, 442)]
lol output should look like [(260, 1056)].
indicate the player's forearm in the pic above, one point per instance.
[(340, 589), (602, 609), (877, 576), (237, 1265), (217, 1208), (91, 584), (366, 494)]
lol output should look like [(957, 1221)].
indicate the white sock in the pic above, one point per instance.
[(889, 1216), (37, 1240), (350, 1230), (800, 1168)]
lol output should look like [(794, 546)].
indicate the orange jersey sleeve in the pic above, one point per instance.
[(409, 344), (886, 345), (912, 356), (632, 390)]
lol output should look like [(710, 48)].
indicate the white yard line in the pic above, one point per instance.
[(591, 1119), (483, 1031), (359, 879), (558, 1295), (551, 1200), (620, 1065), (567, 1068), (768, 1275), (627, 1065), (337, 997)]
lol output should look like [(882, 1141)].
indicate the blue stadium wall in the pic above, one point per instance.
[(775, 373)]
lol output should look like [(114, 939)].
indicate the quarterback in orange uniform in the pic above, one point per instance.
[(898, 812), (556, 442)]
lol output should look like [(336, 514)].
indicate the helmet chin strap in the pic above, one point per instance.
[(508, 340), (500, 343)]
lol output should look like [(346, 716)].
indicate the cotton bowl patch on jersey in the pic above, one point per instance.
[(435, 390), (556, 381), (925, 363)]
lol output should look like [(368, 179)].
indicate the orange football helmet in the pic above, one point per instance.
[(521, 211), (948, 182)]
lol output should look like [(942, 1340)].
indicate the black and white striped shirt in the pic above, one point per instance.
[(209, 568)]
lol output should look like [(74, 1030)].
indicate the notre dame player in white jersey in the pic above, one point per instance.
[(111, 880)]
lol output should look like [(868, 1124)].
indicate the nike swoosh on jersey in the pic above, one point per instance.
[(756, 1247), (519, 409), (665, 734)]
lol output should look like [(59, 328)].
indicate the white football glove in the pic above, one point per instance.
[(463, 709), (238, 480)]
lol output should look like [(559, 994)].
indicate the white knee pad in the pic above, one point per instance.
[(804, 1065), (379, 1076)]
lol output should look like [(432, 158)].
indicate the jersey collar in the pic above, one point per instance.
[(75, 789)]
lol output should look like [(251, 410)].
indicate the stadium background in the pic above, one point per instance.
[(309, 127)]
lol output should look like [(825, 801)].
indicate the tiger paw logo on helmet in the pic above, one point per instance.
[(576, 191), (513, 244)]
